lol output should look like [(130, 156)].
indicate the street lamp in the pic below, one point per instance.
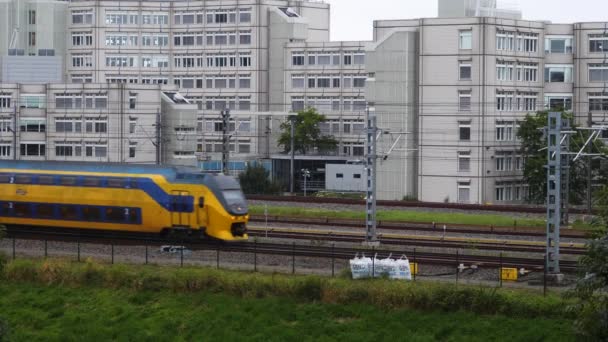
[(305, 175)]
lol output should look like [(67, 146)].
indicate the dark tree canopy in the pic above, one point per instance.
[(307, 133), (256, 181)]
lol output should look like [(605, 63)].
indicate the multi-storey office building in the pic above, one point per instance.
[(448, 92), (95, 122), (477, 77)]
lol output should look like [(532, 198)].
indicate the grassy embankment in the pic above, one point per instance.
[(412, 216), (61, 300)]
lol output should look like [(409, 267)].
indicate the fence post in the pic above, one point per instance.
[(415, 263), (112, 252), (255, 255), (146, 254), (373, 261), (78, 250), (293, 258), (217, 258), (333, 259), (545, 277), (500, 270), (181, 256), (46, 249), (457, 265), (14, 254)]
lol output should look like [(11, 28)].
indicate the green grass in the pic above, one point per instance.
[(36, 312), (404, 215), (418, 216)]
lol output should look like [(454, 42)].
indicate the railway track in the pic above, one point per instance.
[(405, 204), (422, 241), (334, 252), (416, 226)]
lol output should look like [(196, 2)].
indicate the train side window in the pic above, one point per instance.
[(115, 215), (45, 211), (68, 180), (22, 210), (91, 214), (45, 180), (4, 178), (68, 212), (23, 179), (133, 215), (132, 184), (89, 181), (201, 202), (116, 183), (6, 208)]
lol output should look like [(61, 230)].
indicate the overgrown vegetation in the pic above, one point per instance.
[(534, 152), (592, 288), (58, 313), (255, 180), (381, 293)]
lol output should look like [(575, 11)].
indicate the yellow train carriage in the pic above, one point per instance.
[(117, 197)]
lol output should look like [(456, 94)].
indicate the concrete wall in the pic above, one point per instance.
[(352, 177)]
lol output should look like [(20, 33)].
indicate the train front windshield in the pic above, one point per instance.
[(235, 201)]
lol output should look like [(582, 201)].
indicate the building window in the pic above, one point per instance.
[(466, 39), (31, 39), (464, 161), (33, 149), (82, 17), (132, 149), (598, 72), (96, 150), (297, 81), (82, 60), (504, 70), (37, 125), (82, 39), (597, 101), (5, 100), (558, 73), (504, 130), (464, 71), (598, 42), (464, 192), (132, 101), (464, 100), (96, 125), (503, 161), (5, 150), (245, 38), (527, 42), (505, 41), (554, 44), (244, 15), (464, 130), (31, 16), (155, 39), (504, 100), (32, 101), (68, 124), (558, 102), (339, 175)]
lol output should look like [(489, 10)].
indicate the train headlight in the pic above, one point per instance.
[(233, 218)]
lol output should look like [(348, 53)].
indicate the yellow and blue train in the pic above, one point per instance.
[(122, 197)]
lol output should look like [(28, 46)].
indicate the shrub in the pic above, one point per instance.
[(4, 330)]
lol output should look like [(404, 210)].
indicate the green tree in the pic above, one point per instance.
[(256, 181), (307, 133), (534, 152)]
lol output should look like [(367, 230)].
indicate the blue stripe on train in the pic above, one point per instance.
[(73, 212), (173, 203)]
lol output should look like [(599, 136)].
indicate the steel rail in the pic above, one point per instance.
[(336, 252)]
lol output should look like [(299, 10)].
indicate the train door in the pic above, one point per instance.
[(180, 215)]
